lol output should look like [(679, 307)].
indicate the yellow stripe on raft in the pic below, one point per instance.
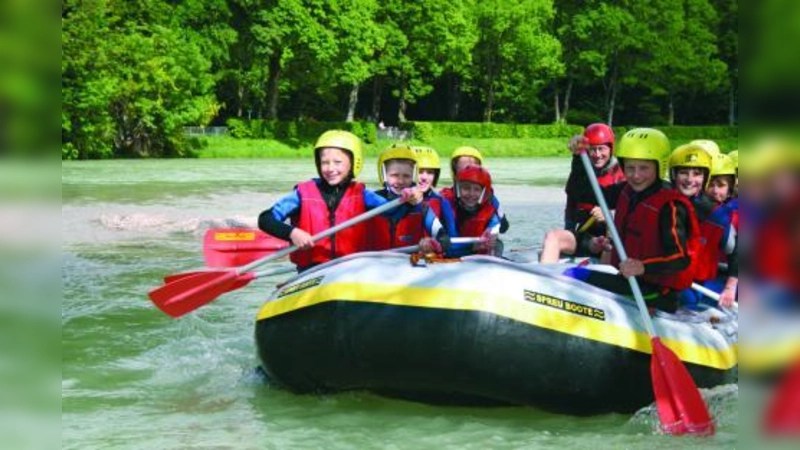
[(521, 311), (769, 357)]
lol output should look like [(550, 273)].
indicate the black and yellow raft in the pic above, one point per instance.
[(479, 331)]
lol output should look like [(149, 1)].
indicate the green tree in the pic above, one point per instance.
[(516, 54), (423, 39), (359, 37), (130, 83), (684, 54), (728, 44), (286, 32), (587, 37)]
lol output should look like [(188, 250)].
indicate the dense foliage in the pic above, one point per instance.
[(135, 72)]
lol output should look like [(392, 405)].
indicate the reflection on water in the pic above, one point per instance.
[(134, 378)]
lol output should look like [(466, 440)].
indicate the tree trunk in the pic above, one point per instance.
[(455, 98), (272, 85), (612, 99), (489, 109), (351, 104), (240, 98), (567, 95), (670, 111), (611, 92), (401, 104), (556, 102), (732, 105), (377, 89)]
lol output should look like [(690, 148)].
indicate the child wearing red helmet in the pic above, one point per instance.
[(475, 211)]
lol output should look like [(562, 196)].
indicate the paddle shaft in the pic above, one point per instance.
[(322, 235), (710, 294), (612, 227)]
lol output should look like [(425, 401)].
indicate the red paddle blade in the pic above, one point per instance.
[(241, 280), (191, 292), (783, 412), (230, 247), (681, 408), (179, 276)]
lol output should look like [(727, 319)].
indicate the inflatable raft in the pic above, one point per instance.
[(482, 330)]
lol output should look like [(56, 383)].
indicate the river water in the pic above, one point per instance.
[(134, 378)]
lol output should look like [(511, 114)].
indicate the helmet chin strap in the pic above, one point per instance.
[(477, 205)]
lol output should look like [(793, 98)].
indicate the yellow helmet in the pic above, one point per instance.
[(648, 144), (464, 151), (771, 155), (396, 151), (734, 156), (708, 145), (690, 155), (343, 140), (723, 165), (427, 158)]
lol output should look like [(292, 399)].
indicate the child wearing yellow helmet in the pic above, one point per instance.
[(408, 224), (320, 203), (720, 235), (428, 171), (722, 185), (692, 170), (656, 224)]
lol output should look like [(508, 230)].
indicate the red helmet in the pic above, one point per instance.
[(600, 134), (478, 175)]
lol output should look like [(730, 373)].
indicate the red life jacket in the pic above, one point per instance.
[(606, 177), (640, 234), (435, 203), (712, 231), (385, 234), (449, 194), (610, 175), (475, 225), (776, 245), (314, 218)]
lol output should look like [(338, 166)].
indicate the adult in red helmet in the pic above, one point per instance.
[(476, 214), (583, 218)]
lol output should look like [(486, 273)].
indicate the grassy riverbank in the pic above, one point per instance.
[(227, 147)]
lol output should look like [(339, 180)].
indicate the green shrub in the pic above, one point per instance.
[(239, 128), (370, 132), (699, 132), (68, 151), (583, 117), (425, 131)]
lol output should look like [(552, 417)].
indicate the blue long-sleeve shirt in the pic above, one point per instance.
[(272, 221)]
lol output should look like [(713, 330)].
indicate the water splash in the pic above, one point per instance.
[(722, 402), (159, 222)]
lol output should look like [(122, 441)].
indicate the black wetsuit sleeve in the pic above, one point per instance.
[(733, 260), (504, 224), (268, 224), (611, 194)]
